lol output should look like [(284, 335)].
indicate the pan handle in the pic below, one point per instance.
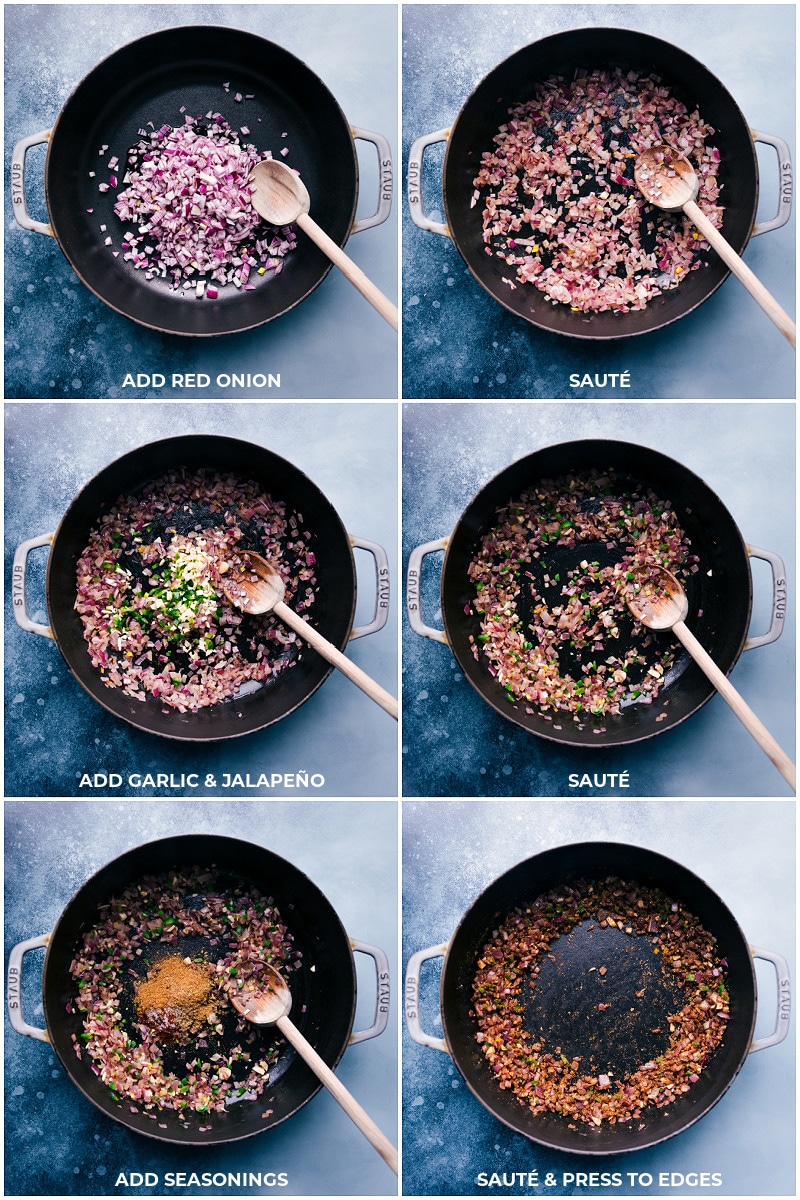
[(382, 587), (14, 987), (386, 174), (18, 584), (382, 1000), (413, 601), (411, 999), (414, 182), (785, 184), (18, 183), (778, 598), (784, 999)]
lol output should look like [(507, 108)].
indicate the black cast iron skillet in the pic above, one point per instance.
[(513, 81), (151, 79), (323, 989), (564, 1008), (721, 590), (334, 607)]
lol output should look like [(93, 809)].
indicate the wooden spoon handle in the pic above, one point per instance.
[(346, 265), (742, 272), (340, 1093), (743, 711), (335, 656)]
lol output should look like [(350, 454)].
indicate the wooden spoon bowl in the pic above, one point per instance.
[(660, 601), (259, 589), (665, 179), (668, 181), (279, 194), (281, 198)]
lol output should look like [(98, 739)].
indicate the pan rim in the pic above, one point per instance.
[(324, 669), (51, 189), (502, 298), (231, 843), (513, 713), (659, 860)]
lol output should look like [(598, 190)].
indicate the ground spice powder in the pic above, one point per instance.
[(175, 1000)]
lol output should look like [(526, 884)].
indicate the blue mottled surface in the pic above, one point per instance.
[(744, 851), (61, 341), (57, 1143), (55, 731), (454, 744), (459, 342)]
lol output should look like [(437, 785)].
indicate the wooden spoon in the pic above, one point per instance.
[(261, 590), (669, 182), (661, 603), (281, 198), (268, 1003)]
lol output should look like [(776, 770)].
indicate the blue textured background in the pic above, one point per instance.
[(744, 851), (61, 341), (454, 744), (459, 342), (55, 731), (57, 1143)]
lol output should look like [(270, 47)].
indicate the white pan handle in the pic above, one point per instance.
[(784, 1008), (18, 584), (386, 177), (777, 619), (382, 587), (411, 998), (785, 181), (413, 592), (414, 182), (382, 998), (18, 183), (14, 987)]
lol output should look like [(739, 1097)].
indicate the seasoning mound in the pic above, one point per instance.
[(551, 579), (542, 1077), (175, 999), (150, 594), (162, 1032), (561, 206)]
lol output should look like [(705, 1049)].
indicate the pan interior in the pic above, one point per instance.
[(256, 1041), (602, 996), (555, 868), (192, 517), (335, 571), (720, 592), (151, 81), (323, 989), (513, 81), (557, 564)]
